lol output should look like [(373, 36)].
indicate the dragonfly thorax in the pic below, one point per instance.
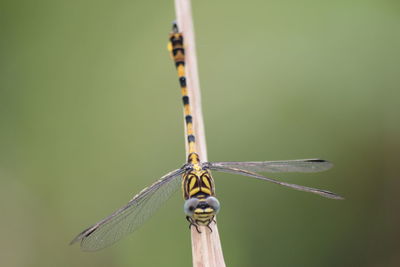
[(197, 181)]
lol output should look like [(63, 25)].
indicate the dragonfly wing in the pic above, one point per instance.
[(131, 216), (320, 192), (298, 165)]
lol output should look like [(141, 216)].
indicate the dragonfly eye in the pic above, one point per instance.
[(190, 205), (213, 203)]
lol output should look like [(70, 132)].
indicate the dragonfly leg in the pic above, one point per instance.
[(212, 220), (191, 223)]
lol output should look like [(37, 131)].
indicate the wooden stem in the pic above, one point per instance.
[(206, 246)]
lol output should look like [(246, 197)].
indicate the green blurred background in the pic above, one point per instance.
[(91, 113)]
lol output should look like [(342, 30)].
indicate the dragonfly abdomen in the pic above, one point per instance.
[(178, 54)]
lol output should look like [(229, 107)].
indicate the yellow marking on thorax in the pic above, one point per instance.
[(206, 182), (194, 191), (206, 190), (192, 183)]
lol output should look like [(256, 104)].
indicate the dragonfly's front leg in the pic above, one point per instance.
[(191, 223)]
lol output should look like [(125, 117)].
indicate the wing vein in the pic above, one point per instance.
[(131, 216), (320, 192)]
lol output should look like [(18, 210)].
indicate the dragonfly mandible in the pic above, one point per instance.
[(201, 204)]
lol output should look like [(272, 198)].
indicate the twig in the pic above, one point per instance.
[(206, 246)]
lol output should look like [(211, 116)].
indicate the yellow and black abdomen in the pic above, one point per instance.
[(176, 47)]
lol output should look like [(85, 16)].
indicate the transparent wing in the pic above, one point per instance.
[(298, 165), (131, 216), (320, 192)]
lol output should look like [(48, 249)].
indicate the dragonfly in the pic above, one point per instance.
[(194, 177)]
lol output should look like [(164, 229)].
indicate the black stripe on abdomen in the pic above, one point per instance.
[(191, 138)]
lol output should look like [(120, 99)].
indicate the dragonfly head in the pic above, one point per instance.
[(201, 210)]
